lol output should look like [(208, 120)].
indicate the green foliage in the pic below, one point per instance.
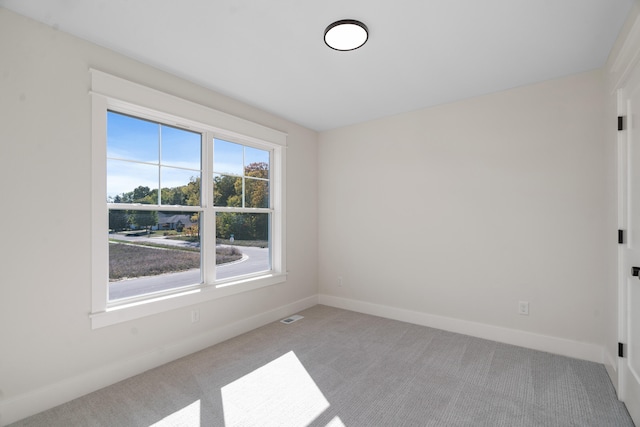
[(191, 192), (243, 226), (187, 195), (118, 220), (141, 194), (228, 190), (144, 219), (193, 231)]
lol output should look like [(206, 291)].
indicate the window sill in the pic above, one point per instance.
[(138, 309)]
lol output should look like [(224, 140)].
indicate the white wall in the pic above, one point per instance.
[(449, 216), (48, 351)]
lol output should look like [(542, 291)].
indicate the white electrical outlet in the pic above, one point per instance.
[(195, 316), (523, 308), (340, 283)]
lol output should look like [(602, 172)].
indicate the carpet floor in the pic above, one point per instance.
[(339, 368)]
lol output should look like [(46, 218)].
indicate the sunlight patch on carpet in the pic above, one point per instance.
[(189, 416), (280, 393), (336, 422)]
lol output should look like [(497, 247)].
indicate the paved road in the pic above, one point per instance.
[(254, 260)]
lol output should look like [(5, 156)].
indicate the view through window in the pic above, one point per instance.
[(159, 207), (242, 203)]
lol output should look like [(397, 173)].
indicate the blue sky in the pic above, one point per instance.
[(229, 157), (142, 142)]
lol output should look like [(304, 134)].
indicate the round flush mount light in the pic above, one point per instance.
[(346, 34)]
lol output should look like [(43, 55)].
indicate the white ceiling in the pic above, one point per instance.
[(420, 53)]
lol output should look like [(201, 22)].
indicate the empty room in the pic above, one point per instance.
[(340, 213)]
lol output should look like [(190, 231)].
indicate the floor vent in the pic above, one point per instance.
[(292, 319)]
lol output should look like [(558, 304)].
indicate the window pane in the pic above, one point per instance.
[(256, 193), (185, 195), (251, 163), (180, 148), (129, 182), (180, 187), (228, 157), (247, 234), (227, 190), (256, 160), (152, 251), (131, 138), (133, 144)]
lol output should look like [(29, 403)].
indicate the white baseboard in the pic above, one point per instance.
[(35, 401), (611, 364), (550, 344)]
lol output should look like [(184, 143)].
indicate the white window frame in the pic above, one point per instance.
[(109, 92)]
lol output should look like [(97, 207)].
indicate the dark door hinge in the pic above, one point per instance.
[(620, 237), (620, 122), (620, 349)]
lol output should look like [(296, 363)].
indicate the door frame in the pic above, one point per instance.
[(621, 67), (623, 224), (629, 79)]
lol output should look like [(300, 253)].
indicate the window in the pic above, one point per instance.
[(188, 202), (152, 166), (242, 205)]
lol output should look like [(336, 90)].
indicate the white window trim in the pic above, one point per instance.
[(113, 93)]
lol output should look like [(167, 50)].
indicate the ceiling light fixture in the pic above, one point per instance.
[(346, 34)]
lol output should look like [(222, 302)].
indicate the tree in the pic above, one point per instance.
[(257, 196), (195, 224), (257, 170), (230, 191), (191, 192), (140, 194), (144, 219), (172, 196), (118, 220), (257, 190), (228, 223), (225, 190)]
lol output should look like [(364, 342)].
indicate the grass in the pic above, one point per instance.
[(236, 242), (184, 238), (173, 235), (254, 243), (157, 245), (129, 261)]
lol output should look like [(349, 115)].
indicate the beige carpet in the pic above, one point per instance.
[(339, 368)]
